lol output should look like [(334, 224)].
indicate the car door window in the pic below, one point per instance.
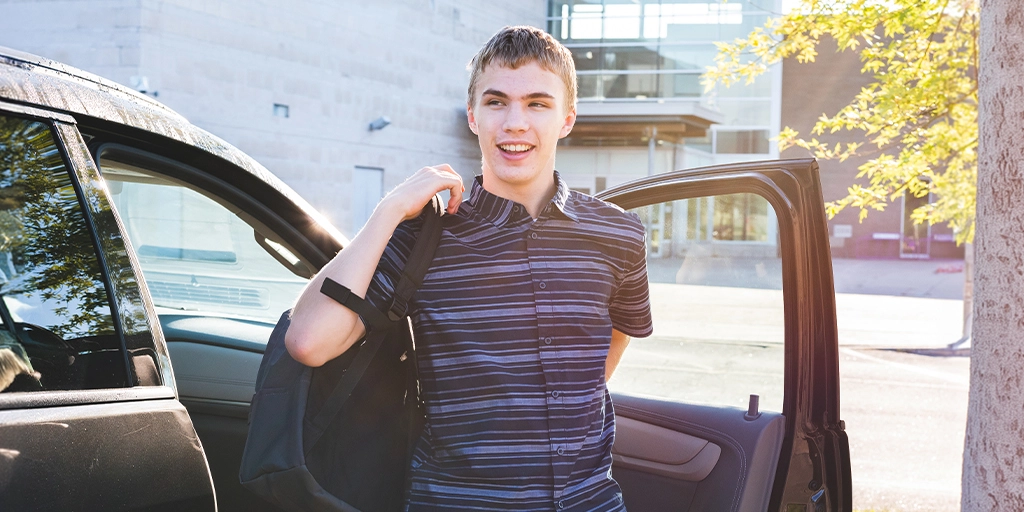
[(716, 296), (56, 326), (198, 252)]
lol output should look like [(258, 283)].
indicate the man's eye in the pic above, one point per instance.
[(494, 102)]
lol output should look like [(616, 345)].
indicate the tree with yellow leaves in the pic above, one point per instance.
[(919, 117)]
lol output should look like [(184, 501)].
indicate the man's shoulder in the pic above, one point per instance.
[(591, 211), (403, 238)]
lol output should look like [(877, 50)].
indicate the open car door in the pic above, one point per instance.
[(733, 403)]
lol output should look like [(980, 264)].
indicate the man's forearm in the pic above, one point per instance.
[(322, 329), (615, 350)]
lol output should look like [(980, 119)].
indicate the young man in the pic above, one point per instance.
[(529, 303)]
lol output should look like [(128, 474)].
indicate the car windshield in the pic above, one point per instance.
[(201, 254)]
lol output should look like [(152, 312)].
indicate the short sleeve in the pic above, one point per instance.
[(630, 306), (389, 268)]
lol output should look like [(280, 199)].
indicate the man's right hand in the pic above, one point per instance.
[(415, 192), (322, 329)]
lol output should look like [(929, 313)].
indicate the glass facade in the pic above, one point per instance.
[(640, 49), (654, 51)]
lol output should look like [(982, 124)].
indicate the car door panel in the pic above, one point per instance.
[(649, 448), (130, 454), (742, 464), (798, 458), (745, 452)]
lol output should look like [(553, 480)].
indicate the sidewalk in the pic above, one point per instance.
[(914, 304), (902, 304), (934, 279)]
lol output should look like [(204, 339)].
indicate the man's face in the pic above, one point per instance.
[(519, 115)]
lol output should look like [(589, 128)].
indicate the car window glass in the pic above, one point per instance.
[(716, 296), (123, 278), (199, 253), (57, 329)]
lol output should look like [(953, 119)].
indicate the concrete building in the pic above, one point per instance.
[(296, 85)]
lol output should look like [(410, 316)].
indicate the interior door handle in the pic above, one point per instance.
[(818, 501)]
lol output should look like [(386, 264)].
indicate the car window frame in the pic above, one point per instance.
[(220, 191), (62, 128)]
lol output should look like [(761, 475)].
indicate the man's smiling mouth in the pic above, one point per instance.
[(515, 148)]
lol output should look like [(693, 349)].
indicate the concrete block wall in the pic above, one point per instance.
[(336, 65), (102, 37)]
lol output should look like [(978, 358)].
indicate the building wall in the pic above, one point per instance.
[(825, 86), (335, 65)]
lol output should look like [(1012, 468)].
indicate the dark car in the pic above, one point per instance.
[(144, 263)]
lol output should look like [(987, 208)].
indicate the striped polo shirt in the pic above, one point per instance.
[(513, 324)]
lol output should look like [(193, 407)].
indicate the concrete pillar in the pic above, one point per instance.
[(652, 144)]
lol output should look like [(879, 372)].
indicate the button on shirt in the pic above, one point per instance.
[(512, 325)]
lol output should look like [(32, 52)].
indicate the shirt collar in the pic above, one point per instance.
[(500, 211)]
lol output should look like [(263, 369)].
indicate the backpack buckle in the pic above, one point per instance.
[(398, 309)]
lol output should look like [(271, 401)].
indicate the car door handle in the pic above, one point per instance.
[(818, 501)]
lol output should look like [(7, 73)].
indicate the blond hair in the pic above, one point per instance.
[(515, 46)]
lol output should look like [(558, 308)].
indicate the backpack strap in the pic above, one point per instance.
[(412, 277), (374, 319), (419, 260)]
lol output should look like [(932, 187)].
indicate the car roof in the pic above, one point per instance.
[(36, 81)]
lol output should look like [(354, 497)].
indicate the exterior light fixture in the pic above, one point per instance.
[(379, 123), (141, 84)]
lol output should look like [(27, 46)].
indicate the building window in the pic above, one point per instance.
[(647, 49), (367, 190), (741, 141), (915, 241)]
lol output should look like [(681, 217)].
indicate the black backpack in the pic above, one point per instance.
[(339, 437)]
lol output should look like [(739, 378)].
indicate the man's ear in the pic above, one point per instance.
[(570, 121), (471, 118)]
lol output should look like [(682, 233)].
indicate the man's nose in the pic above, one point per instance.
[(515, 120)]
